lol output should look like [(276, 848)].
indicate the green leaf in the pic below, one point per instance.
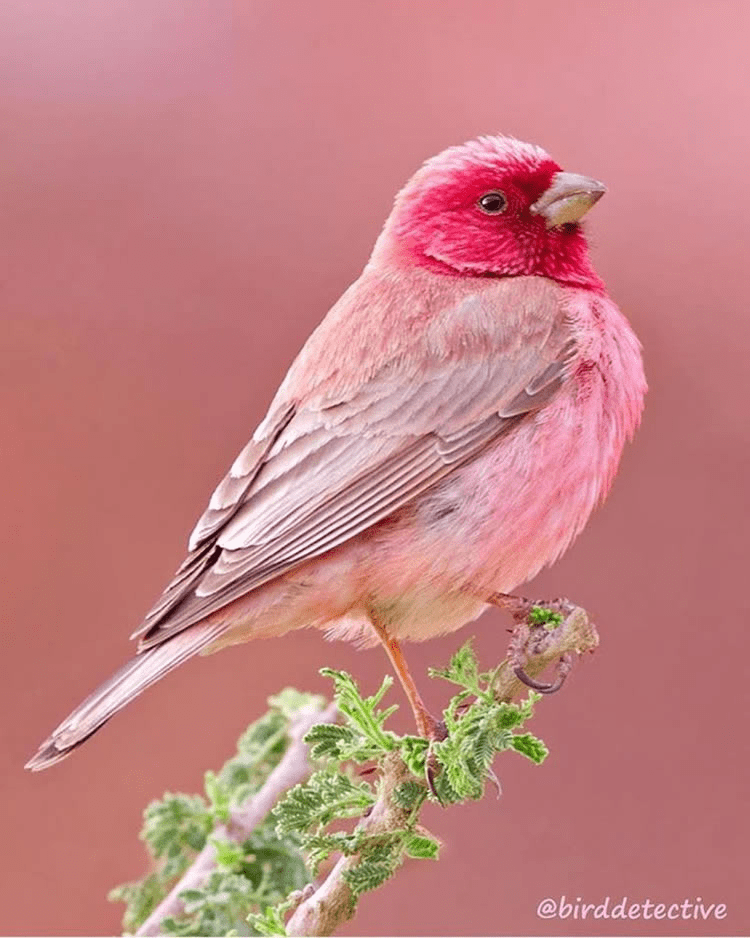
[(414, 754), (218, 796), (509, 716), (376, 866), (527, 706), (324, 797), (253, 881), (140, 898), (290, 701), (421, 847), (191, 897), (332, 741), (228, 854), (251, 876), (530, 746), (362, 712), (541, 615), (268, 922), (410, 794), (175, 829), (462, 669), (320, 846)]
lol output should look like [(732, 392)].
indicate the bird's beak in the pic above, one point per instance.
[(568, 199)]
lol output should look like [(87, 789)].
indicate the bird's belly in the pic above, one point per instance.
[(497, 521)]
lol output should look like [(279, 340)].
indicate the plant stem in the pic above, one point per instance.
[(323, 909), (293, 768)]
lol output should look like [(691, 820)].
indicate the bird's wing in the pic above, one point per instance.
[(332, 466)]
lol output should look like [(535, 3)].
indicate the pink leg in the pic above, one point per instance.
[(427, 725)]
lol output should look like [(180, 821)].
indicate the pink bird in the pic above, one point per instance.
[(444, 433)]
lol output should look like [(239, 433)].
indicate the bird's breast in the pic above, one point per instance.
[(495, 522)]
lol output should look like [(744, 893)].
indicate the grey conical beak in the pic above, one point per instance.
[(568, 199)]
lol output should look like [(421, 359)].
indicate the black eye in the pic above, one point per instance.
[(493, 203)]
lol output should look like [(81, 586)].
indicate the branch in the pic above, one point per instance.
[(331, 903), (323, 909), (293, 768), (539, 647)]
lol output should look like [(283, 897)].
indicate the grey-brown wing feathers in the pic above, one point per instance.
[(231, 490), (225, 502), (342, 464)]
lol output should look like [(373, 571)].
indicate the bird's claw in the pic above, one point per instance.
[(436, 732), (530, 635), (431, 770), (564, 665)]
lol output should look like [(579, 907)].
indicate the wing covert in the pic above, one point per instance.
[(337, 464)]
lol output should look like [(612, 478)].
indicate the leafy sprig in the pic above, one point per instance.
[(256, 874), (478, 727), (328, 814)]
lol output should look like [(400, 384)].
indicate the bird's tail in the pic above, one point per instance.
[(124, 685)]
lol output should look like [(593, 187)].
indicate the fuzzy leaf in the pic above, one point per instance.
[(410, 794), (462, 668), (414, 753), (260, 875), (175, 828), (268, 922), (218, 796), (332, 741), (509, 716), (530, 746), (320, 846), (376, 866), (362, 712), (290, 701), (141, 898), (324, 797), (420, 847), (228, 854), (541, 615)]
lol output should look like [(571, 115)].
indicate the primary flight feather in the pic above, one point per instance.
[(444, 433)]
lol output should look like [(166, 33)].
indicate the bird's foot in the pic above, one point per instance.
[(431, 728), (434, 731), (535, 620), (534, 611), (562, 670)]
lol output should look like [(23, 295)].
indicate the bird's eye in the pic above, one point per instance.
[(493, 203)]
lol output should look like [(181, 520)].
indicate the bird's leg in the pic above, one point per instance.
[(529, 615), (427, 725)]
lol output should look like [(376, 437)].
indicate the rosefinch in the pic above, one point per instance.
[(444, 433)]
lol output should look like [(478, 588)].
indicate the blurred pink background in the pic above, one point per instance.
[(185, 189)]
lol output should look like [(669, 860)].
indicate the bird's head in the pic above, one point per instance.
[(494, 207)]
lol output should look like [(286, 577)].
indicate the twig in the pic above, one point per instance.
[(293, 768), (331, 904), (539, 647)]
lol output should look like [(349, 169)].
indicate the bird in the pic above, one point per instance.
[(444, 434)]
